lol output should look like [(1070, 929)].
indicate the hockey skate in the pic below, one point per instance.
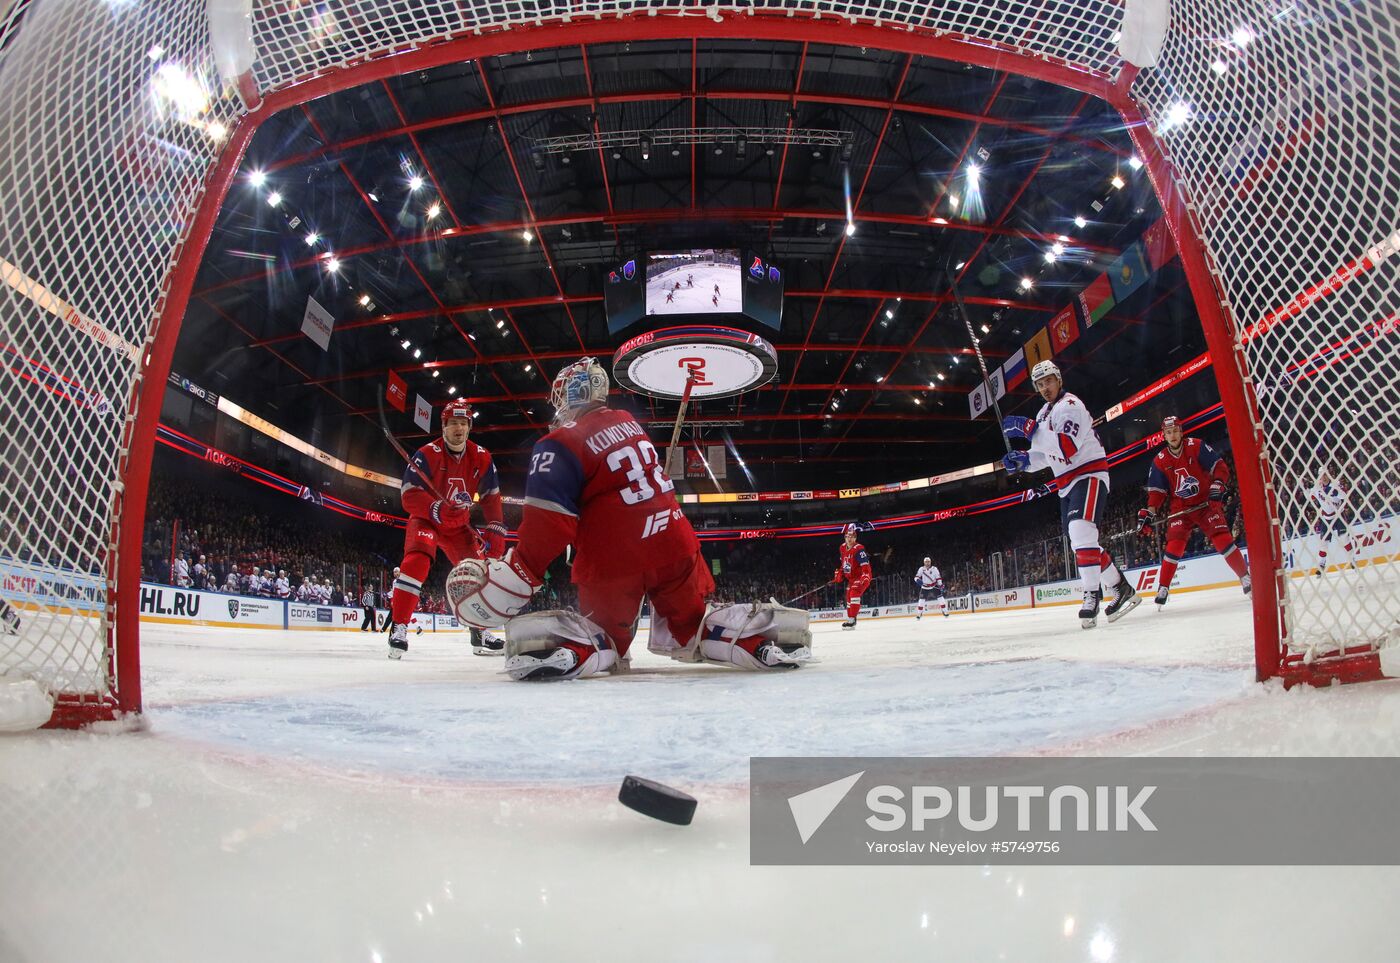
[(1161, 598), (1246, 584), (542, 665), (486, 642), (1089, 611), (1124, 601), (9, 619), (848, 625), (398, 640)]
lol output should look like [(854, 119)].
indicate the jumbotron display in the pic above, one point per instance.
[(692, 283)]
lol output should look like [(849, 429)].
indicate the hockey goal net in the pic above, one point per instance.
[(1268, 128)]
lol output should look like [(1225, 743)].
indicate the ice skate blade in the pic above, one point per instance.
[(1128, 606)]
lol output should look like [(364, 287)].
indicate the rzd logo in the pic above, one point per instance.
[(695, 371), (656, 523)]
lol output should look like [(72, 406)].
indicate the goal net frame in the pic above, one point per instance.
[(277, 56)]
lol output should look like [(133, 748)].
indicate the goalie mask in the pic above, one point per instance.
[(577, 385)]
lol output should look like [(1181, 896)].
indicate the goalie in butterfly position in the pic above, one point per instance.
[(1062, 438), (595, 482), (1190, 477)]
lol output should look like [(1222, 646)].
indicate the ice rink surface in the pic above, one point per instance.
[(297, 795)]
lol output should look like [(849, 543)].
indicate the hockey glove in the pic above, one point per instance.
[(1039, 491), (1018, 431), (450, 516), (1015, 461), (836, 578), (486, 594), (1217, 490), (494, 535), (1147, 521)]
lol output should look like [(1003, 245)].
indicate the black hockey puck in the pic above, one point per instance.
[(657, 801)]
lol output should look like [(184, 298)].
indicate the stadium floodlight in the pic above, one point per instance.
[(274, 199), (1135, 162), (364, 300), (418, 352), (850, 228), (415, 182), (1027, 284), (257, 178), (1080, 222), (1118, 182), (333, 265), (312, 238), (434, 211), (527, 235), (405, 344), (437, 374)]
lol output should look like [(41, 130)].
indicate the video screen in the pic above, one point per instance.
[(622, 295), (694, 282)]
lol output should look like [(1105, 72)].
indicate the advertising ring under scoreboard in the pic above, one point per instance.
[(722, 361)]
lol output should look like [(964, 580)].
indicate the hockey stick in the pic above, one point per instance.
[(799, 598), (1157, 523), (977, 350), (403, 452)]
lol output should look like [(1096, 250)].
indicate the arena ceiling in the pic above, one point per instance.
[(450, 232)]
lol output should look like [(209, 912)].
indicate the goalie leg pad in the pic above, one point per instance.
[(556, 644), (760, 635)]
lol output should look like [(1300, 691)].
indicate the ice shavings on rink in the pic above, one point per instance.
[(700, 724)]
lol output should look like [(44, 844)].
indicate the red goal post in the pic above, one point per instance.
[(1265, 127)]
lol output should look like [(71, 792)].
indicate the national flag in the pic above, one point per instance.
[(397, 392), (1129, 272), (1096, 299), (1159, 244), (1014, 371), (1038, 348), (1063, 328)]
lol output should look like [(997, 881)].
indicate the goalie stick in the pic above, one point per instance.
[(680, 420)]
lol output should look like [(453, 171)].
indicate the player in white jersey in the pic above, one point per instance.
[(1329, 497), (930, 583), (283, 587), (1062, 438), (231, 582)]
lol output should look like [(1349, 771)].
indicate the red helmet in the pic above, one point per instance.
[(457, 409), (1171, 421), (850, 529)]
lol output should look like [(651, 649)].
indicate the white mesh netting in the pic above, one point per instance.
[(111, 118), (1280, 120)]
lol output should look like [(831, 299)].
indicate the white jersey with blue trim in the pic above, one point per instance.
[(1329, 498), (1065, 441), (928, 576)]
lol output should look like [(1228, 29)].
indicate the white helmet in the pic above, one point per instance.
[(582, 383), (927, 560), (1044, 369)]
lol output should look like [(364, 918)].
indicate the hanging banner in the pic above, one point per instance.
[(1128, 273), (397, 392), (422, 413), (1063, 328), (317, 324)]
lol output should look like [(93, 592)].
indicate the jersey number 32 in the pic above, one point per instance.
[(639, 462)]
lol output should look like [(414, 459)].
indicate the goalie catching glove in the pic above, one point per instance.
[(487, 593)]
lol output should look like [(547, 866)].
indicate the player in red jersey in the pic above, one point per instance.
[(596, 483), (459, 469), (854, 570), (1189, 477)]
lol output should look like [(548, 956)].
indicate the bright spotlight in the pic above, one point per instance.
[(1080, 222), (434, 211), (418, 352), (364, 300), (1027, 284), (257, 178), (415, 182), (312, 238), (1242, 36), (1178, 114), (1050, 257), (1135, 162), (274, 199), (405, 344), (850, 229), (527, 235), (333, 265)]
